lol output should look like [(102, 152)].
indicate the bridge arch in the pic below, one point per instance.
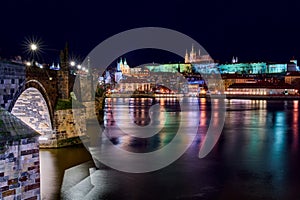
[(32, 104)]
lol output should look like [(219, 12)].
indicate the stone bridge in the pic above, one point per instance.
[(32, 94), (35, 99)]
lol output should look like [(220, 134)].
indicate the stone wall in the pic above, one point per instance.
[(67, 129), (19, 159), (20, 170), (12, 75), (65, 125), (63, 84)]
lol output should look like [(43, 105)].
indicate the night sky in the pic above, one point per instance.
[(255, 30)]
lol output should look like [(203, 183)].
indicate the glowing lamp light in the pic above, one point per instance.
[(72, 63), (28, 64), (78, 66), (33, 47)]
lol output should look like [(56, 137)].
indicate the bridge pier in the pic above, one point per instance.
[(66, 132)]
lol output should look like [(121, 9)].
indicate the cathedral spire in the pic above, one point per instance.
[(192, 48), (186, 57), (233, 60), (119, 65)]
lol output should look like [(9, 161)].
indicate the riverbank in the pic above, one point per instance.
[(55, 144), (264, 97), (227, 96)]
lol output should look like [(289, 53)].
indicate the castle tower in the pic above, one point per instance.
[(63, 74), (126, 68)]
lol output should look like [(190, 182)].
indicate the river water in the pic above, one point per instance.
[(256, 157)]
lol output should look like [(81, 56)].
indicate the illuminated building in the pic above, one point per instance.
[(292, 77), (236, 78), (194, 89), (258, 68), (193, 57), (172, 68), (205, 68), (261, 88), (125, 69), (132, 84), (246, 74), (243, 68)]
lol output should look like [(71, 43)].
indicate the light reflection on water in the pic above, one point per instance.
[(257, 156)]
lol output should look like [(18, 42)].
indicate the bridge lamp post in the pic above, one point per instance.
[(72, 66), (76, 67), (28, 64), (72, 63), (33, 48), (79, 67)]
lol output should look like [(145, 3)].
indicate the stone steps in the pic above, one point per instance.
[(77, 181)]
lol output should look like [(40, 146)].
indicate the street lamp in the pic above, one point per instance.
[(28, 63), (33, 47), (72, 63)]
